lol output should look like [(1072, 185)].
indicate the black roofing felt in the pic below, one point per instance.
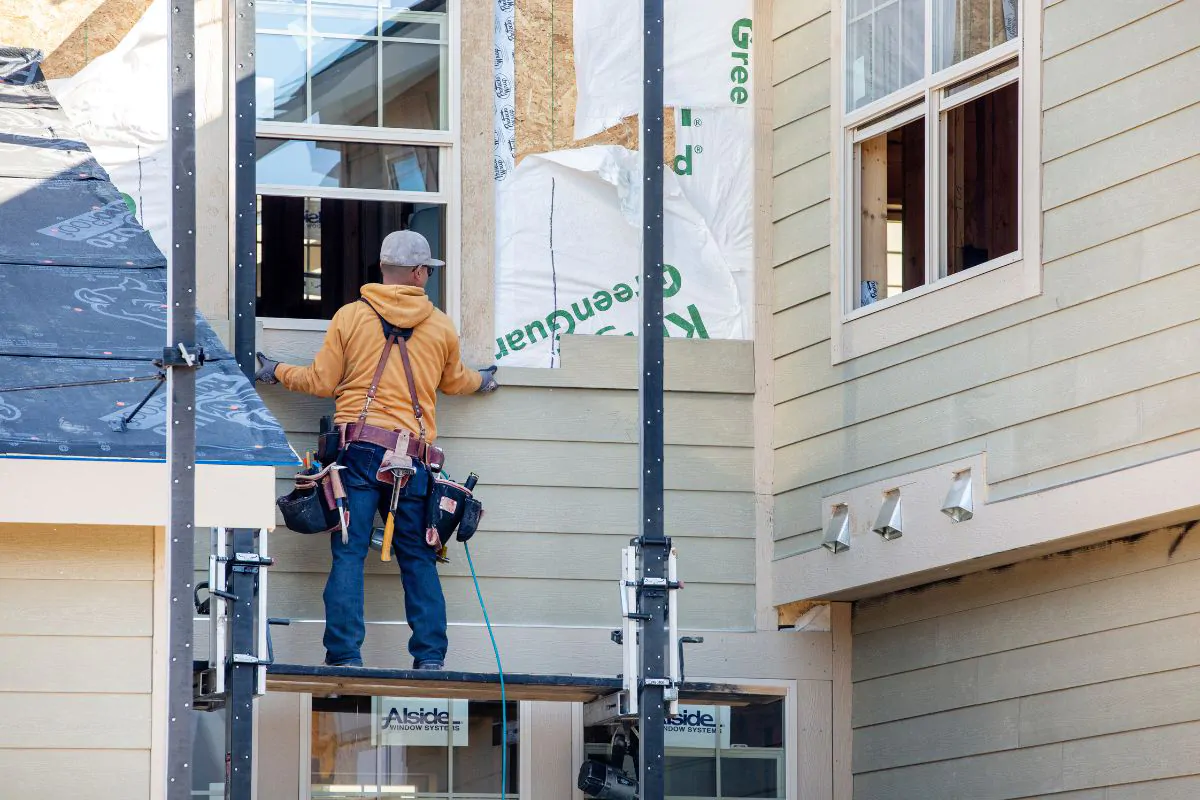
[(83, 298)]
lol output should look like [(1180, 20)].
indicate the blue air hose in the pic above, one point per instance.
[(499, 669)]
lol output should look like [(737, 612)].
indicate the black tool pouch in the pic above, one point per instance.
[(472, 515), (329, 441), (448, 507), (311, 506)]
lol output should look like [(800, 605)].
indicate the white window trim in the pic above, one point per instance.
[(971, 293), (449, 176)]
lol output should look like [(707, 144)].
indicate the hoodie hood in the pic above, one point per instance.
[(402, 306)]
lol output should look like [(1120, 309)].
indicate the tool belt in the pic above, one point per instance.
[(400, 442)]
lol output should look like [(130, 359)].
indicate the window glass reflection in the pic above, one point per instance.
[(279, 81), (351, 165)]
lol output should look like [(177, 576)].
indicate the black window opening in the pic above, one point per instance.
[(315, 254)]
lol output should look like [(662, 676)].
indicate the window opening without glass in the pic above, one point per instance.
[(932, 123)]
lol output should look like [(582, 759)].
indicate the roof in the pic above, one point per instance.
[(83, 300)]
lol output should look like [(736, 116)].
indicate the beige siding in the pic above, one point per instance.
[(1073, 673), (557, 457), (1099, 369), (76, 626)]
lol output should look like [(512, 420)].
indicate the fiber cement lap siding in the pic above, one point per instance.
[(1099, 370), (1075, 676), (557, 457), (76, 628)]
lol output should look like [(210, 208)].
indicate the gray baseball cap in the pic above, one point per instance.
[(407, 249)]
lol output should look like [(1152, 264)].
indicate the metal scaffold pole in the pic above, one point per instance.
[(180, 359), (245, 255), (654, 546)]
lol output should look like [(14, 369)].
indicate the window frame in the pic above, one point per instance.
[(448, 142), (944, 300), (304, 754)]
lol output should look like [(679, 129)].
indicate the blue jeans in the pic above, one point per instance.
[(424, 604)]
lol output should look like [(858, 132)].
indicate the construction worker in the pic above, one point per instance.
[(349, 360)]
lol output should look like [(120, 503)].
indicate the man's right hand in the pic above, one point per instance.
[(489, 384), (266, 370)]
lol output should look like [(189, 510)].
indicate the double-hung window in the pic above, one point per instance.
[(931, 94), (356, 131)]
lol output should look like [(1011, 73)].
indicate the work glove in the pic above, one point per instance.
[(266, 372), (490, 384)]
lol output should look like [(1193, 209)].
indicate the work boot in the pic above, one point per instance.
[(431, 665), (349, 662)]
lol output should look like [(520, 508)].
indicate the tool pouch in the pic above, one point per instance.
[(447, 508), (311, 507), (329, 441)]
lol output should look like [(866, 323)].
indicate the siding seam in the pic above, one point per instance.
[(1118, 184)]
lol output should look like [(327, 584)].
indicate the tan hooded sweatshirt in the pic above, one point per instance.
[(346, 362)]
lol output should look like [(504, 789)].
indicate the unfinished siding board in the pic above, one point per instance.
[(1187, 788), (1127, 208), (1063, 342), (800, 188), (938, 737), (520, 601), (1112, 424), (46, 721), (801, 280), (1152, 754), (1111, 701), (75, 664), (56, 774), (75, 608), (105, 554), (1069, 24), (801, 233), (802, 326), (519, 554), (1132, 101), (1145, 701), (1144, 149), (800, 142), (1129, 49), (802, 95), (788, 15), (1052, 397), (1079, 610), (801, 49), (995, 776)]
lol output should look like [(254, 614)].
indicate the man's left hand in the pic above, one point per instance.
[(489, 384)]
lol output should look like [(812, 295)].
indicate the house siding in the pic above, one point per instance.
[(76, 644), (1073, 675), (1098, 370)]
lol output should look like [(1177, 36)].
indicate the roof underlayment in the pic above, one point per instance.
[(83, 298)]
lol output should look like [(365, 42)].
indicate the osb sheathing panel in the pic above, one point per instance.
[(546, 94), (70, 33)]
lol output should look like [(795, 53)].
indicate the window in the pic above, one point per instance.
[(365, 748), (355, 140), (714, 752), (932, 131)]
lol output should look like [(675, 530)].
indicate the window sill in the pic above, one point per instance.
[(933, 307)]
